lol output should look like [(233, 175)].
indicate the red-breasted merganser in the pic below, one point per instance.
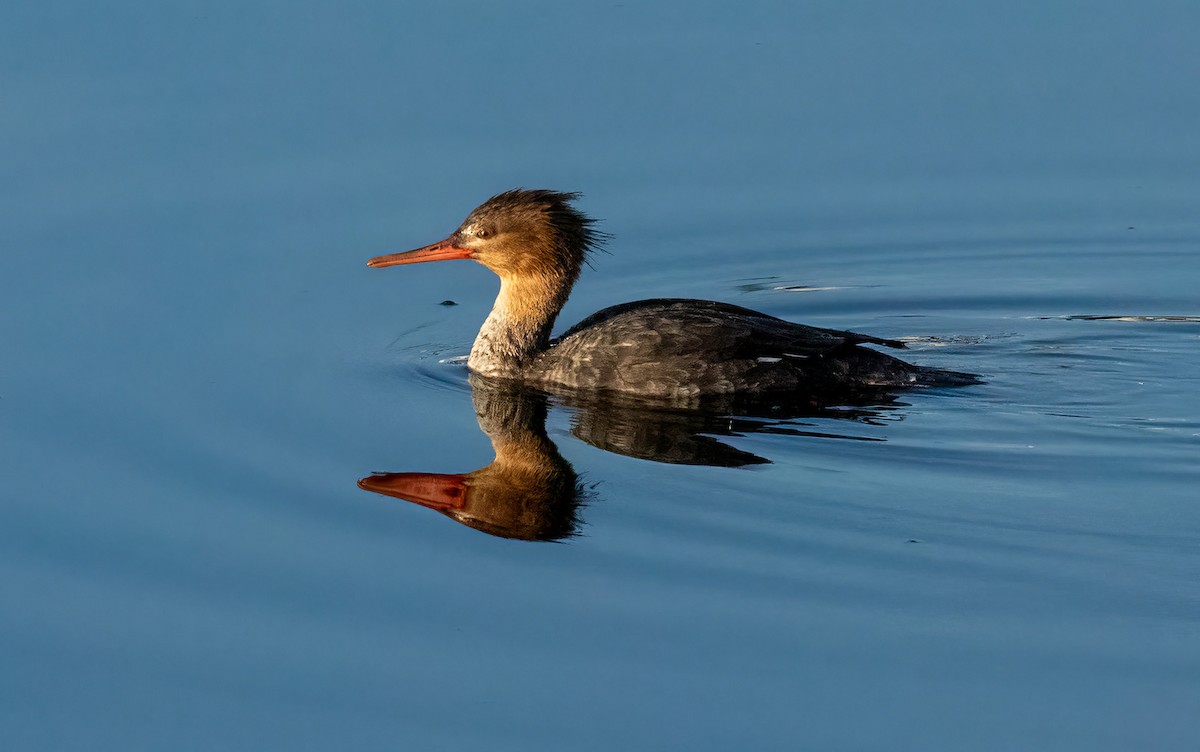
[(677, 350)]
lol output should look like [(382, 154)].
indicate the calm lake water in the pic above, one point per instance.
[(198, 370)]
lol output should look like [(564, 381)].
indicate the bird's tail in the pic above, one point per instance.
[(927, 376)]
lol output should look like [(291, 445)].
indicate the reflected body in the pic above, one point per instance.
[(679, 351), (530, 492)]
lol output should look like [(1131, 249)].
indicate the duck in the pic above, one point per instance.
[(673, 351)]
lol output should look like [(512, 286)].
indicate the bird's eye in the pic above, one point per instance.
[(482, 232)]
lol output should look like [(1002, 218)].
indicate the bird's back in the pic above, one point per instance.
[(685, 350)]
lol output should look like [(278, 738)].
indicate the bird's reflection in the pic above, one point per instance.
[(530, 492), (691, 437)]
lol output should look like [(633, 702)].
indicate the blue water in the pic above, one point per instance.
[(198, 369)]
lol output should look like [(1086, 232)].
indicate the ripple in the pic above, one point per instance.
[(947, 341), (772, 284), (441, 367), (439, 375), (1181, 319)]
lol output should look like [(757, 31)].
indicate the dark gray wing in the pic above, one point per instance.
[(691, 327)]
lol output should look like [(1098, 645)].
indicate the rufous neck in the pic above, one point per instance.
[(518, 328)]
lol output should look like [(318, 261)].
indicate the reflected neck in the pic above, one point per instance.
[(518, 328)]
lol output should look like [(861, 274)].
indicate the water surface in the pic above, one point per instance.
[(199, 369)]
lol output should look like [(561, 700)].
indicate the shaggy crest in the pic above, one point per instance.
[(574, 232)]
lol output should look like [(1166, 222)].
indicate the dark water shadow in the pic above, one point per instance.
[(530, 492), (648, 431)]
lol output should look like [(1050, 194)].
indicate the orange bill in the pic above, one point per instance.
[(443, 492), (443, 250)]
